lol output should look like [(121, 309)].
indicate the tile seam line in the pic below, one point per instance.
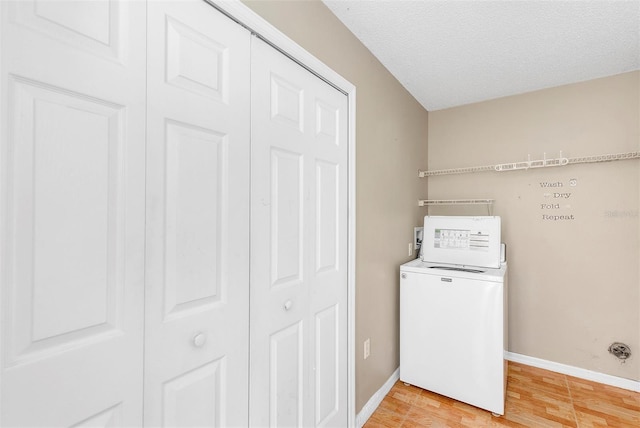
[(411, 406), (573, 409)]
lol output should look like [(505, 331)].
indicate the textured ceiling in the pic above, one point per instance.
[(451, 53)]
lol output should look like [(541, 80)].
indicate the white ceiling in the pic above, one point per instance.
[(451, 53)]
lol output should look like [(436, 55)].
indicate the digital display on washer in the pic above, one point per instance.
[(461, 239)]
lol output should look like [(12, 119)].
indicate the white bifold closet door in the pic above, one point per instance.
[(298, 374), (72, 213), (141, 144), (197, 293)]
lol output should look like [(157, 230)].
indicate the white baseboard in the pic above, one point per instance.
[(606, 379), (376, 399)]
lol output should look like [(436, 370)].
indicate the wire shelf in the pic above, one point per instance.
[(431, 202), (531, 164)]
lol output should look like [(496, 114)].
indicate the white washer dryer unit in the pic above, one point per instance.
[(453, 317)]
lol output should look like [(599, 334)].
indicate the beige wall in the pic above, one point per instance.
[(574, 284), (391, 134)]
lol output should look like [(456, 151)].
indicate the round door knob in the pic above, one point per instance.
[(287, 305), (199, 340)]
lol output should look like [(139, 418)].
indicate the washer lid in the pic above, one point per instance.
[(456, 271)]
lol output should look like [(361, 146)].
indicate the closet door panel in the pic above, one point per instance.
[(72, 212), (197, 285), (298, 246), (328, 259), (327, 263)]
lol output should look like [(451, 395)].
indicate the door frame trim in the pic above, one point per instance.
[(246, 17), (4, 192)]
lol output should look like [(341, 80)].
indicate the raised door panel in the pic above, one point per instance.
[(193, 399), (286, 376), (287, 102), (286, 217), (196, 62), (96, 27), (195, 196), (328, 367), (65, 208), (197, 286), (72, 213), (328, 213), (298, 246)]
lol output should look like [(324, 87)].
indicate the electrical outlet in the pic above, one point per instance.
[(410, 249), (367, 348)]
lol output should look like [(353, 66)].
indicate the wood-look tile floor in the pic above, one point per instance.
[(535, 398)]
